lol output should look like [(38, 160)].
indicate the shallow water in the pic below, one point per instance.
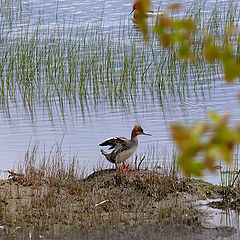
[(80, 134), (218, 217)]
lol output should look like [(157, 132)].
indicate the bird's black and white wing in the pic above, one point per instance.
[(115, 143)]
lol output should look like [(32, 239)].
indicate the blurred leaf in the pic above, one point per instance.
[(161, 28), (180, 134), (217, 119), (213, 142), (185, 52), (227, 153), (202, 144), (141, 23), (164, 21), (227, 53), (189, 166), (211, 52), (142, 6), (174, 6), (209, 163), (196, 168), (158, 28), (217, 152), (231, 69), (186, 25), (165, 40), (189, 24), (231, 30), (199, 129), (187, 138)]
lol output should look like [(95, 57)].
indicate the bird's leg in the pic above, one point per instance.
[(127, 169)]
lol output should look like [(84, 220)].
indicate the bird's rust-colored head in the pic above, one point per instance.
[(137, 130)]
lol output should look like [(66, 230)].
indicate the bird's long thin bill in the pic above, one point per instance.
[(147, 134), (131, 11)]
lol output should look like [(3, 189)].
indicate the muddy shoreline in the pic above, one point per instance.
[(107, 204)]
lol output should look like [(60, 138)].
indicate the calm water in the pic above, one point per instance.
[(218, 217), (82, 134)]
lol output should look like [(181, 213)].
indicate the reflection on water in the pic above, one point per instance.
[(83, 125), (219, 217)]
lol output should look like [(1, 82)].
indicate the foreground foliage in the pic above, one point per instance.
[(202, 144)]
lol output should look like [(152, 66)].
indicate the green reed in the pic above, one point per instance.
[(229, 175), (68, 67)]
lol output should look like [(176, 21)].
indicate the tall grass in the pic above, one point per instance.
[(67, 66), (229, 176), (50, 196)]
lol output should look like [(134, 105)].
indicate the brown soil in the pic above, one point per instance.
[(107, 204)]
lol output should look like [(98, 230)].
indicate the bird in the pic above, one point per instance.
[(123, 148)]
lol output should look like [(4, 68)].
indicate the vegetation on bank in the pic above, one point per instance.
[(79, 67), (49, 199)]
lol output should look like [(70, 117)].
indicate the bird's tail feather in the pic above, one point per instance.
[(107, 155)]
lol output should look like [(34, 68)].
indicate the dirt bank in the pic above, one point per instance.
[(106, 205)]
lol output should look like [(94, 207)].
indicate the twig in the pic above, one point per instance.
[(135, 162), (235, 178), (140, 162), (98, 204)]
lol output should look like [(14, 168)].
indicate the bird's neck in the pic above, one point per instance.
[(134, 136)]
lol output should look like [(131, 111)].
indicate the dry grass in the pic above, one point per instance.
[(49, 198)]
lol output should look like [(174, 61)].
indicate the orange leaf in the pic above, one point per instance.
[(209, 163), (164, 21), (142, 6), (211, 52), (174, 6), (165, 40)]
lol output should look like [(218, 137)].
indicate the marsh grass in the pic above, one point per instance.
[(51, 196), (154, 160), (62, 65), (229, 176)]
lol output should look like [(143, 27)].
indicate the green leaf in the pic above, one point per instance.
[(231, 69), (211, 52), (196, 168), (185, 51)]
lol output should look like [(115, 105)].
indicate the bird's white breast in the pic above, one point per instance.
[(123, 156)]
